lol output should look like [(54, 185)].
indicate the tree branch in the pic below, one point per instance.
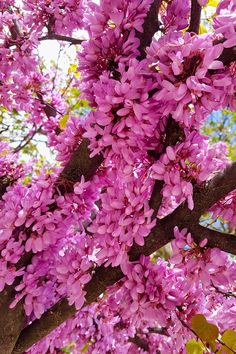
[(11, 321), (80, 164), (218, 187), (173, 134), (27, 139), (58, 37), (139, 342), (150, 27), (225, 242), (195, 17)]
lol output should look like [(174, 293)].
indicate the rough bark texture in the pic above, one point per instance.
[(11, 321), (80, 164)]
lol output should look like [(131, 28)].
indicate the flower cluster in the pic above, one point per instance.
[(208, 266), (225, 22), (112, 28), (125, 118), (9, 169), (125, 218), (175, 14), (66, 141), (186, 164), (58, 16), (36, 221), (188, 88)]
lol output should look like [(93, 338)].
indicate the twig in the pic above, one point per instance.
[(58, 37), (140, 342), (225, 345), (27, 139), (226, 294)]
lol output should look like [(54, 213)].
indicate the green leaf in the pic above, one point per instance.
[(206, 331), (202, 29), (72, 68), (229, 338), (85, 348), (63, 121), (194, 347), (213, 3), (213, 346)]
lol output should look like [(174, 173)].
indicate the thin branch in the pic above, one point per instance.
[(225, 345), (49, 110), (58, 37), (4, 129), (156, 330), (69, 81), (226, 294), (191, 330), (56, 68), (139, 342), (195, 17), (15, 29), (26, 140)]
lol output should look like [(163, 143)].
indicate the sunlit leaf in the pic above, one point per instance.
[(194, 347), (85, 348), (63, 121), (204, 330), (72, 68), (212, 345), (202, 29), (229, 339), (213, 3)]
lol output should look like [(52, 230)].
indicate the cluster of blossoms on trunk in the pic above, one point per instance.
[(66, 235)]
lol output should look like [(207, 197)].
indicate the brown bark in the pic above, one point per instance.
[(59, 37), (80, 164), (139, 342), (11, 321), (195, 17), (150, 27)]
